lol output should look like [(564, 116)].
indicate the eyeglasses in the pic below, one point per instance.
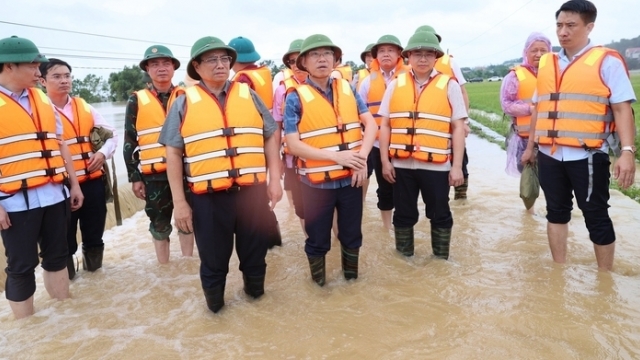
[(58, 77), (424, 55), (292, 61), (316, 55), (225, 60)]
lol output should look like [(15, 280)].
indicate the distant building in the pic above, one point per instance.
[(632, 53)]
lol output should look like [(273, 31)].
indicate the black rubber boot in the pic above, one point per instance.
[(318, 271), (350, 262), (440, 241), (215, 298), (461, 191), (92, 258), (253, 285), (71, 267), (404, 240)]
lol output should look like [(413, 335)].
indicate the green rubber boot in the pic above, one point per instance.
[(404, 240), (350, 262), (440, 241), (318, 270), (461, 191)]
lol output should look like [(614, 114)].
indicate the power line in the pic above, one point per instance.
[(91, 34), (88, 51)]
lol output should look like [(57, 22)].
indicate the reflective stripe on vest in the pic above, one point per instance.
[(443, 66), (362, 74), (377, 87), (346, 72), (573, 107), (526, 88), (333, 127), (149, 121), (262, 83), (223, 146), (30, 155), (76, 136), (422, 128)]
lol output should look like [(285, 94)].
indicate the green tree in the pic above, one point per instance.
[(125, 82), (92, 88), (272, 66), (355, 67)]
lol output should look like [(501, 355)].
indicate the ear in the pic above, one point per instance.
[(590, 26), (43, 82)]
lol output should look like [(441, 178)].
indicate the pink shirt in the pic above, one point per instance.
[(511, 104)]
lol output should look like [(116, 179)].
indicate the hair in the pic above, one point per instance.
[(584, 8), (46, 66)]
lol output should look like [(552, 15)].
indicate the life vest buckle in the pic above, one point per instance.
[(85, 156), (81, 139), (46, 153), (411, 131), (233, 188), (409, 148), (341, 128), (413, 115), (231, 152), (228, 131), (552, 133), (234, 173), (553, 114), (50, 172), (41, 135), (554, 96), (343, 147)]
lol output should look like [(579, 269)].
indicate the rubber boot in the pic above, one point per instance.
[(350, 262), (461, 191), (404, 240), (215, 298), (92, 258), (253, 285), (71, 267), (440, 241), (318, 270)]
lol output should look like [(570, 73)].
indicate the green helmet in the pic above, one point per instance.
[(294, 47), (247, 53), (385, 40), (314, 42), (205, 44), (429, 28), (155, 52), (19, 50), (423, 40), (366, 50)]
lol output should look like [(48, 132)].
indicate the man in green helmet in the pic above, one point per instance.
[(144, 157), (423, 136), (322, 123), (221, 137), (34, 203), (366, 58)]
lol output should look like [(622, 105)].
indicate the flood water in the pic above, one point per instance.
[(499, 297)]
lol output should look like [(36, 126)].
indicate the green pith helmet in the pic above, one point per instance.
[(429, 28), (19, 50), (294, 47), (423, 40), (364, 53), (158, 51), (314, 42), (205, 44), (244, 48), (385, 40)]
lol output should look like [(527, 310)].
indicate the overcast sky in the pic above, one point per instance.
[(475, 32)]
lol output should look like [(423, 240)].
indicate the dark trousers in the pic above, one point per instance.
[(465, 162), (292, 183), (319, 205), (92, 217), (434, 187), (560, 179), (46, 227), (220, 215), (385, 188)]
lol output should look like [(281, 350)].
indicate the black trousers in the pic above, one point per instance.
[(434, 187), (220, 215), (91, 216), (385, 188)]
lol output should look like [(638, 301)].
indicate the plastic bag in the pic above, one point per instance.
[(515, 148), (529, 185)]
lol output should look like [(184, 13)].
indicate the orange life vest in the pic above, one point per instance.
[(346, 72), (421, 123), (262, 83), (526, 88), (573, 107), (362, 74), (289, 85), (444, 66), (76, 136), (377, 87), (333, 127), (287, 73), (223, 146), (151, 116), (29, 150)]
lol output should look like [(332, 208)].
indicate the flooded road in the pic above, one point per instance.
[(499, 297)]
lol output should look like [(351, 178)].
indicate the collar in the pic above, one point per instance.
[(308, 81), (155, 92), (563, 55), (8, 92)]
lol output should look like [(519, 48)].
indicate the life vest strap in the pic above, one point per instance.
[(150, 130), (574, 115), (82, 156), (306, 171), (374, 103), (572, 134), (232, 173), (32, 155), (160, 160), (32, 174), (78, 140), (425, 149), (330, 130), (414, 131), (414, 115), (234, 151), (344, 146), (42, 135), (150, 146), (573, 96), (223, 132)]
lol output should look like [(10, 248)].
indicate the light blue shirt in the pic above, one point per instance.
[(614, 75), (42, 196)]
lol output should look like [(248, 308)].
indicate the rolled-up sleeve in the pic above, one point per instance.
[(292, 112)]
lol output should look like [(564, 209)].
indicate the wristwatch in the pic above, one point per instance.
[(630, 148)]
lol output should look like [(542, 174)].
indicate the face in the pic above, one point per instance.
[(299, 74), (388, 56), (58, 80), (572, 32), (23, 75), (319, 62), (160, 70), (368, 58), (535, 52), (422, 61), (214, 66)]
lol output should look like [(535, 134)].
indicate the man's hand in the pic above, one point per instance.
[(139, 190), (274, 191), (96, 161), (388, 172), (76, 197), (624, 169), (5, 223), (351, 159), (456, 177), (182, 216), (358, 177), (528, 157), (467, 130)]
